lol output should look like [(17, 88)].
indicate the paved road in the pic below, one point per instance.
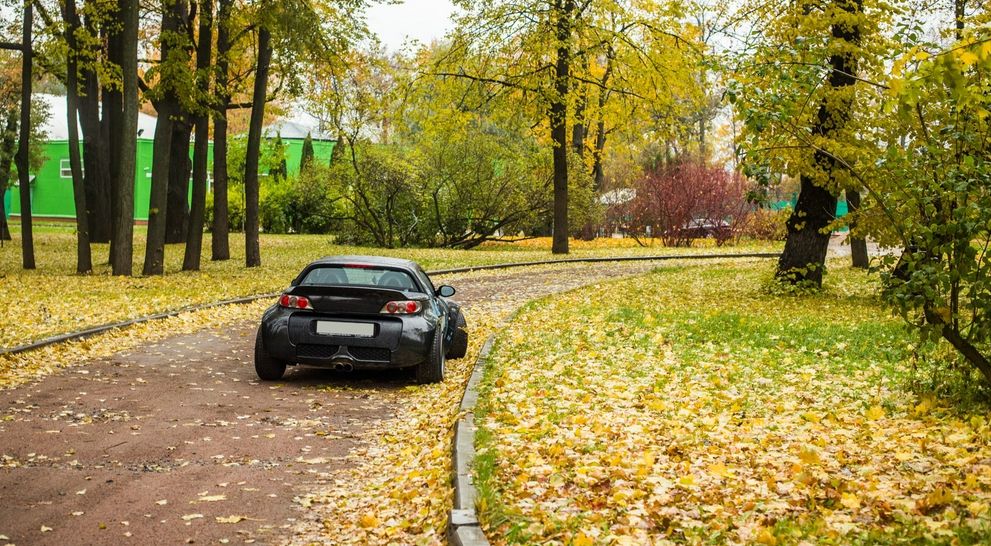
[(152, 446)]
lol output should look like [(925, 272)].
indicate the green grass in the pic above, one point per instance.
[(52, 299), (694, 406)]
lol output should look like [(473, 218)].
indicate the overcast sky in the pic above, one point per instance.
[(422, 20)]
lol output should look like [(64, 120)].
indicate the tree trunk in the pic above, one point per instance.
[(111, 127), (598, 173), (252, 254), (959, 14), (122, 249), (194, 233), (858, 245), (559, 125), (804, 256), (580, 128), (158, 202), (8, 143), (162, 154), (220, 234), (95, 160), (24, 140), (180, 169), (84, 258)]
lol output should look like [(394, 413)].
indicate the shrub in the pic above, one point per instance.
[(383, 203), (689, 200), (235, 208)]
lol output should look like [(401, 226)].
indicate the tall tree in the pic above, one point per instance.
[(194, 240), (564, 13), (24, 139), (798, 94), (8, 142), (858, 244), (182, 85), (94, 118), (122, 205), (804, 256), (536, 51), (219, 234), (166, 103), (306, 157), (84, 260), (252, 253)]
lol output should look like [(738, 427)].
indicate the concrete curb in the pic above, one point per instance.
[(89, 332), (464, 529)]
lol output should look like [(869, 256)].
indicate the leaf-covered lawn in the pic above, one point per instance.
[(688, 406), (399, 490), (53, 299)]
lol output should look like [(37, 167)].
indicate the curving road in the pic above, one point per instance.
[(177, 442)]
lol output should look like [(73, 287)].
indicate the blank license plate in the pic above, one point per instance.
[(350, 329)]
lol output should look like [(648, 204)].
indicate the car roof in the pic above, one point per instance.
[(372, 260)]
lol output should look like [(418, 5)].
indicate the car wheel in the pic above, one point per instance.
[(432, 370), (459, 342), (267, 368)]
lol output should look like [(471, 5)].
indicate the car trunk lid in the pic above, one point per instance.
[(349, 299)]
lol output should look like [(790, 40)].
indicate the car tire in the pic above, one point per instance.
[(432, 370), (459, 341), (267, 368)]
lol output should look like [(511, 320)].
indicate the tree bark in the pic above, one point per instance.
[(160, 168), (580, 127), (598, 173), (95, 160), (7, 149), (110, 125), (220, 234), (122, 249), (194, 233), (180, 169), (84, 258), (24, 140), (804, 256), (858, 245), (559, 125), (252, 254)]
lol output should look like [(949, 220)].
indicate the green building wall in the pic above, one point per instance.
[(51, 193)]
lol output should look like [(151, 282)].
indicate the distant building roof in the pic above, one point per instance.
[(297, 126), (57, 125)]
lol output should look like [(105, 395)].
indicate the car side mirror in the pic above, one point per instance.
[(446, 291)]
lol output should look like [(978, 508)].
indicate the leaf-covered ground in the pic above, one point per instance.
[(394, 487), (398, 490), (688, 406), (53, 299)]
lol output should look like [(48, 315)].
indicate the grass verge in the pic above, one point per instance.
[(53, 299), (691, 406)]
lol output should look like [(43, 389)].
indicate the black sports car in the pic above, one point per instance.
[(350, 312)]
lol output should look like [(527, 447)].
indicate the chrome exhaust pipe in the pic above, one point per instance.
[(343, 366)]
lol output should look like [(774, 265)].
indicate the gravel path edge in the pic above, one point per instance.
[(89, 332)]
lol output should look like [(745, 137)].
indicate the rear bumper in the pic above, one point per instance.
[(398, 342)]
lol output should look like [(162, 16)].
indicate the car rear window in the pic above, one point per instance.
[(343, 275)]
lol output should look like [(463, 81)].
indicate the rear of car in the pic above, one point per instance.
[(352, 315)]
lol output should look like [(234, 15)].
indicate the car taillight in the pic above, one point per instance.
[(294, 302), (407, 307)]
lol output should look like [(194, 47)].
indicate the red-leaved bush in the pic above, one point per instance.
[(689, 200)]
